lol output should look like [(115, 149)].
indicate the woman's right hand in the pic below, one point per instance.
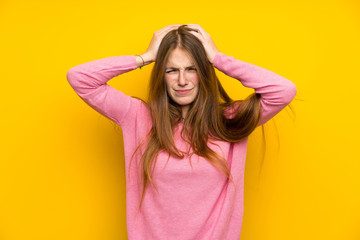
[(151, 52)]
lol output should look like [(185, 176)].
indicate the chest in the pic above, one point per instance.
[(192, 168)]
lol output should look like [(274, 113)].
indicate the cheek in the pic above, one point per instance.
[(195, 78), (168, 83), (168, 87), (197, 84), (196, 81)]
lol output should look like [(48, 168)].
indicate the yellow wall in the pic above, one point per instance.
[(62, 171)]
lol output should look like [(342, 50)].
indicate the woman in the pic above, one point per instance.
[(189, 140)]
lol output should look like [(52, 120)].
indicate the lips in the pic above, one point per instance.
[(183, 91)]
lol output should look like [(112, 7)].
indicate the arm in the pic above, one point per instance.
[(276, 91), (89, 80)]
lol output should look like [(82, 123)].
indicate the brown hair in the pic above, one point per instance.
[(212, 116)]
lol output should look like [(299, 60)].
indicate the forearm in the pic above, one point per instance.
[(89, 80), (276, 91), (88, 76), (145, 59), (273, 87)]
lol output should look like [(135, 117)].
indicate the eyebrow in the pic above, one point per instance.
[(178, 68)]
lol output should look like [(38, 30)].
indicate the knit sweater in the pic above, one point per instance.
[(194, 200)]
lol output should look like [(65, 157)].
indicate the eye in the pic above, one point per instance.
[(192, 69), (170, 71)]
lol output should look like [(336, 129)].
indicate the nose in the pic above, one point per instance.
[(182, 79)]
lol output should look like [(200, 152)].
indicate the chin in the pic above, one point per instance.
[(183, 102)]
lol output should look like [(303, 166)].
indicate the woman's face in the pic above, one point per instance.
[(181, 78)]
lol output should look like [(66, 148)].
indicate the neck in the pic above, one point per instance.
[(184, 111)]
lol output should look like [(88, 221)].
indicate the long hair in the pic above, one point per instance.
[(213, 115)]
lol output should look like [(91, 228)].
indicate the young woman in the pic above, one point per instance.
[(189, 139)]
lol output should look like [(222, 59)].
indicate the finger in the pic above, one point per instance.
[(198, 35), (169, 27), (199, 28), (191, 27), (173, 26), (193, 30)]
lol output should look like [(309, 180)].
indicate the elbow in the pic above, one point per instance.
[(293, 89), (81, 81), (73, 77), (70, 76), (290, 92)]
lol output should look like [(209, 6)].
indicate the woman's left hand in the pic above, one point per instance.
[(206, 40)]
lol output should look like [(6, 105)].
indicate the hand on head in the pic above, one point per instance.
[(152, 50), (206, 40), (197, 31)]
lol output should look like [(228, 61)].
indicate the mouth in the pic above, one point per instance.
[(183, 92)]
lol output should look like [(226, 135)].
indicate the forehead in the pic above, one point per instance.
[(179, 58)]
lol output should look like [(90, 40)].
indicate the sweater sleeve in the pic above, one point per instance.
[(89, 80), (276, 91)]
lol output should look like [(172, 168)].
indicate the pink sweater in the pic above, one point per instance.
[(192, 203)]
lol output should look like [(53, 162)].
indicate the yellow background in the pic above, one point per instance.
[(62, 170)]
